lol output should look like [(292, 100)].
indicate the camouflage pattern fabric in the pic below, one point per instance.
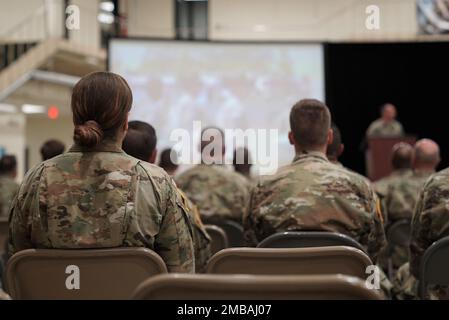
[(216, 191), (314, 194), (429, 224), (431, 218), (406, 287), (101, 198), (381, 186), (201, 239), (8, 189), (379, 128)]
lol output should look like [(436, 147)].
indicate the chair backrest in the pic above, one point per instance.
[(3, 233), (398, 234), (304, 239), (245, 287), (299, 261), (101, 273), (434, 268), (218, 237), (233, 230)]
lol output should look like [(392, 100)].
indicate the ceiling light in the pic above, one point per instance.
[(107, 6), (106, 18), (33, 108)]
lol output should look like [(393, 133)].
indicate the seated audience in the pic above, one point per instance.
[(141, 144), (8, 186), (402, 194), (401, 161), (168, 161), (430, 223), (218, 192), (312, 193), (52, 148), (97, 196)]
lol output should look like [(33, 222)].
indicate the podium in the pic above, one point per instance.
[(378, 155)]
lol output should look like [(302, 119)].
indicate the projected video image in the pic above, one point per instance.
[(228, 85)]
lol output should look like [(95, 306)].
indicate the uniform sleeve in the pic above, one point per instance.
[(249, 220), (24, 206), (174, 241), (376, 238), (420, 236)]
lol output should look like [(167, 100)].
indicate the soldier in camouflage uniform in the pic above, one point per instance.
[(401, 161), (218, 192), (95, 195), (141, 143), (387, 125), (312, 193), (402, 194), (429, 223), (8, 186)]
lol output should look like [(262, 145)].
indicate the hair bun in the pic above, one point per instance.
[(88, 134)]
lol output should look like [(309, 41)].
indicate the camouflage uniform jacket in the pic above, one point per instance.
[(402, 195), (431, 218), (216, 191), (8, 189), (102, 198), (381, 186), (314, 194), (379, 128), (201, 239)]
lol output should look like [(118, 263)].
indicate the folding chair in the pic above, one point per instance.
[(247, 287), (218, 237), (299, 261), (80, 274)]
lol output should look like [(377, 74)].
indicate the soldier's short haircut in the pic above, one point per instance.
[(137, 144), (8, 163), (310, 122), (146, 129), (402, 156), (334, 147), (52, 148), (426, 156), (165, 162)]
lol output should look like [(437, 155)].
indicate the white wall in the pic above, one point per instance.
[(40, 129), (149, 18), (89, 31), (307, 20), (22, 20)]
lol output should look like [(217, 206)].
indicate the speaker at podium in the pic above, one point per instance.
[(378, 155)]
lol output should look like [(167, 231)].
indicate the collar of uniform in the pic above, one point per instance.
[(310, 154), (106, 145)]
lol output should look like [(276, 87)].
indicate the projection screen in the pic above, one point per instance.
[(230, 85)]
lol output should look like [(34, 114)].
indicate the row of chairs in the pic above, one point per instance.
[(116, 273), (433, 269)]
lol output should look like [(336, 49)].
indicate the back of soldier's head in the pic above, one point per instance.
[(402, 156), (310, 122), (147, 129), (138, 144), (52, 148), (168, 160), (334, 149), (426, 154), (8, 165)]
